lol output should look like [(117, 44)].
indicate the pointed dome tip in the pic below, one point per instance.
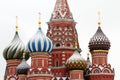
[(16, 24), (39, 22), (99, 21)]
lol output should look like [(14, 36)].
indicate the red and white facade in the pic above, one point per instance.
[(100, 69), (62, 32), (11, 72), (99, 46)]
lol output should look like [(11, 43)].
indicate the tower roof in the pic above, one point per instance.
[(61, 11)]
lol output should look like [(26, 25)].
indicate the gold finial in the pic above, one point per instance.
[(39, 22), (88, 55), (16, 23), (76, 44), (24, 55), (99, 23)]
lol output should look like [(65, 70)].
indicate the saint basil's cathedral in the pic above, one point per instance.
[(56, 55)]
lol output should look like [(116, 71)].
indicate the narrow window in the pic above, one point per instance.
[(58, 45), (57, 64)]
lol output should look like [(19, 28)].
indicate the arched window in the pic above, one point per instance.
[(57, 33), (67, 78), (57, 27), (68, 27), (56, 63), (106, 70), (55, 78), (58, 45), (68, 33), (68, 45), (96, 71), (35, 72)]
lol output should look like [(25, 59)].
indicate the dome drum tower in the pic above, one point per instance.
[(39, 46), (13, 56), (62, 32), (11, 69), (99, 46)]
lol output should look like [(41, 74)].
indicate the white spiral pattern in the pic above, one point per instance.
[(15, 49)]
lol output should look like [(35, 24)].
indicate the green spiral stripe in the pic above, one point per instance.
[(15, 49)]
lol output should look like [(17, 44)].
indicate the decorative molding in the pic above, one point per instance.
[(94, 51)]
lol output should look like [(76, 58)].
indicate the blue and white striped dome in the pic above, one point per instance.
[(40, 43)]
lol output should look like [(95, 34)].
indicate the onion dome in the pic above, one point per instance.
[(39, 42), (76, 62), (99, 41), (15, 49), (23, 67)]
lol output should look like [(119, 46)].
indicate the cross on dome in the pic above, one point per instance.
[(39, 22), (17, 24), (99, 22)]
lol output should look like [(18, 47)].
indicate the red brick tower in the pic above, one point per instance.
[(13, 56), (99, 46), (39, 46), (62, 32)]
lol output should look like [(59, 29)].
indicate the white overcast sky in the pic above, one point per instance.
[(84, 13)]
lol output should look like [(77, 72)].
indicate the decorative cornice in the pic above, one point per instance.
[(61, 21), (101, 74), (13, 60), (22, 75), (38, 53), (101, 70), (94, 51), (77, 70), (59, 67), (40, 75), (63, 48)]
